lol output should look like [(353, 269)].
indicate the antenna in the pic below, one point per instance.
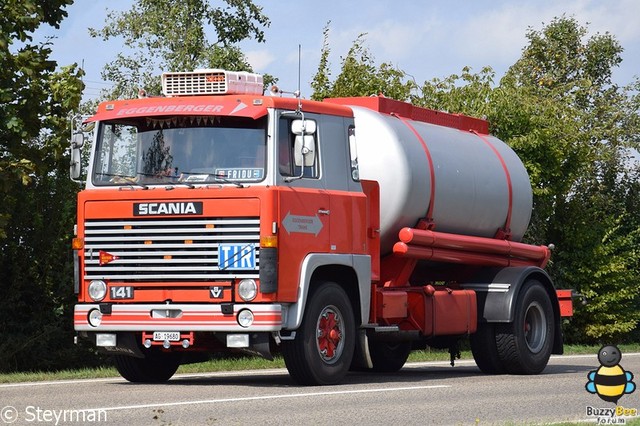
[(275, 90), (299, 66)]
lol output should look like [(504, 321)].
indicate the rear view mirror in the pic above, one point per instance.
[(75, 168), (304, 148), (303, 127), (304, 151)]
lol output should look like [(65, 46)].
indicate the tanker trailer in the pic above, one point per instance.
[(472, 184), (454, 204)]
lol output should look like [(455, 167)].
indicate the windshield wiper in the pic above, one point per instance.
[(221, 177), (129, 180), (203, 177)]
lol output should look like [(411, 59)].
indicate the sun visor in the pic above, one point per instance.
[(239, 106)]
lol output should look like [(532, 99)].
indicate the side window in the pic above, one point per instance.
[(288, 142), (353, 154), (285, 147)]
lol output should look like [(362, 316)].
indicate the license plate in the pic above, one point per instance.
[(172, 336)]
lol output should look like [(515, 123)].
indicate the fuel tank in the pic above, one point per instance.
[(470, 183)]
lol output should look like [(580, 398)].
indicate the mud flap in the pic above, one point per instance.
[(361, 356)]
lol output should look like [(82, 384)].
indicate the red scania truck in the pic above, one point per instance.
[(341, 234)]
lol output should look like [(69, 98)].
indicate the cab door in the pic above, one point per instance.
[(304, 203)]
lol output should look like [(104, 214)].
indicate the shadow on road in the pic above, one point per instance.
[(434, 375)]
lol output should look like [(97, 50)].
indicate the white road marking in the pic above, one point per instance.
[(264, 397)]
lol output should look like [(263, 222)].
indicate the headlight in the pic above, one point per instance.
[(248, 290), (95, 317), (245, 318), (97, 290)]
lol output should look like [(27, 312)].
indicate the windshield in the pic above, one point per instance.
[(191, 150)]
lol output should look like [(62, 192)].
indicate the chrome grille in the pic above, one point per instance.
[(172, 249)]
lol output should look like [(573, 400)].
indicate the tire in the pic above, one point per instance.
[(156, 367), (322, 350), (388, 357), (485, 350), (525, 345)]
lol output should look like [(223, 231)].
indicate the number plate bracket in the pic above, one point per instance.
[(175, 338)]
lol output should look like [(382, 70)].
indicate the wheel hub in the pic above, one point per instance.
[(535, 327), (330, 330)]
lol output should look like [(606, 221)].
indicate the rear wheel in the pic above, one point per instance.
[(525, 345), (155, 367), (485, 350), (322, 350), (388, 357)]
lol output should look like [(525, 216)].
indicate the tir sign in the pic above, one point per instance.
[(236, 256)]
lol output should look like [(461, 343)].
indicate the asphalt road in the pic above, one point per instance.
[(421, 393)]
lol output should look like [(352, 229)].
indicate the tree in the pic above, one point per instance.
[(576, 143), (359, 75), (573, 129), (173, 36), (37, 210), (467, 93), (26, 106)]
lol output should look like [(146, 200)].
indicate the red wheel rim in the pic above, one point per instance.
[(329, 333)]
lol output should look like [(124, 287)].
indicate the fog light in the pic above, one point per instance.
[(97, 290), (106, 340), (166, 344), (248, 290), (237, 340), (147, 343), (245, 318), (185, 343), (95, 317)]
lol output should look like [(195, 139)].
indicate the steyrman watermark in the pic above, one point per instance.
[(34, 414)]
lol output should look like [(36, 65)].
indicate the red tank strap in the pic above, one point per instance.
[(427, 222), (505, 232)]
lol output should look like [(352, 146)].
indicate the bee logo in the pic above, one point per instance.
[(610, 381)]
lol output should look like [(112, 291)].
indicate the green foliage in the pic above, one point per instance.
[(36, 273), (466, 93), (321, 83), (38, 208), (34, 98), (573, 129), (164, 35), (575, 146), (359, 75)]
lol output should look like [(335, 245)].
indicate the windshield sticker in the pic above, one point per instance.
[(241, 174)]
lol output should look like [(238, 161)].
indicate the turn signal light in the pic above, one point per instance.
[(77, 243), (267, 241)]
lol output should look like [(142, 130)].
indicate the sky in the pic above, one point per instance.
[(425, 38)]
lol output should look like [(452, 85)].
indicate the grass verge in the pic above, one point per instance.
[(255, 363)]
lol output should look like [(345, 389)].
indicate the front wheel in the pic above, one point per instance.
[(322, 350), (525, 345), (155, 367)]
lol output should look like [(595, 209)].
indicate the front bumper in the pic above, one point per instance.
[(178, 317)]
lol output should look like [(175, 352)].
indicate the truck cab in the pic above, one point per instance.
[(201, 212)]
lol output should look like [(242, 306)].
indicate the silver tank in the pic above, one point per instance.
[(471, 191)]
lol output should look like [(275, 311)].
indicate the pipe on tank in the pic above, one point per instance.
[(453, 248)]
